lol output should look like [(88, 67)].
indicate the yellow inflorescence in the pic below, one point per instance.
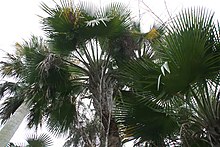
[(152, 34)]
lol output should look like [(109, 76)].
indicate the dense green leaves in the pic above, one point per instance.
[(188, 50), (44, 83), (69, 26), (139, 121), (180, 79)]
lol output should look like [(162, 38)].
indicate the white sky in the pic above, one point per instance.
[(19, 21)]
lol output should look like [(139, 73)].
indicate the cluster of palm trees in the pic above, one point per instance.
[(100, 81)]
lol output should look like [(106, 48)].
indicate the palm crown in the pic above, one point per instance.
[(180, 79)]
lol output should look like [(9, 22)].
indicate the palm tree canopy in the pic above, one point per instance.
[(68, 25), (180, 72)]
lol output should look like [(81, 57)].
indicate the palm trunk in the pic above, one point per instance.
[(12, 125), (110, 129), (103, 103), (113, 136)]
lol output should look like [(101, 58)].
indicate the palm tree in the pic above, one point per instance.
[(178, 80), (76, 62)]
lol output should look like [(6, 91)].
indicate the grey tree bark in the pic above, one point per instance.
[(12, 125), (102, 90)]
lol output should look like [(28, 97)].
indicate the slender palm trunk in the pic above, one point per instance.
[(114, 139), (103, 102), (110, 128), (12, 125), (109, 123)]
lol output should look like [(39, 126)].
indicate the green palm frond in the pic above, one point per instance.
[(118, 10), (14, 99), (137, 120), (119, 19), (62, 117), (61, 26), (34, 140), (43, 67), (9, 106), (143, 73), (69, 25), (146, 77), (12, 67), (42, 140), (8, 88), (190, 48)]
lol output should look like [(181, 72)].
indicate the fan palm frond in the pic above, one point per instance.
[(8, 88), (14, 98), (12, 67), (42, 140), (137, 120), (69, 25), (190, 49), (62, 117), (9, 106)]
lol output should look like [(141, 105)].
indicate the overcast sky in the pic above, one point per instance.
[(19, 20), (19, 17)]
